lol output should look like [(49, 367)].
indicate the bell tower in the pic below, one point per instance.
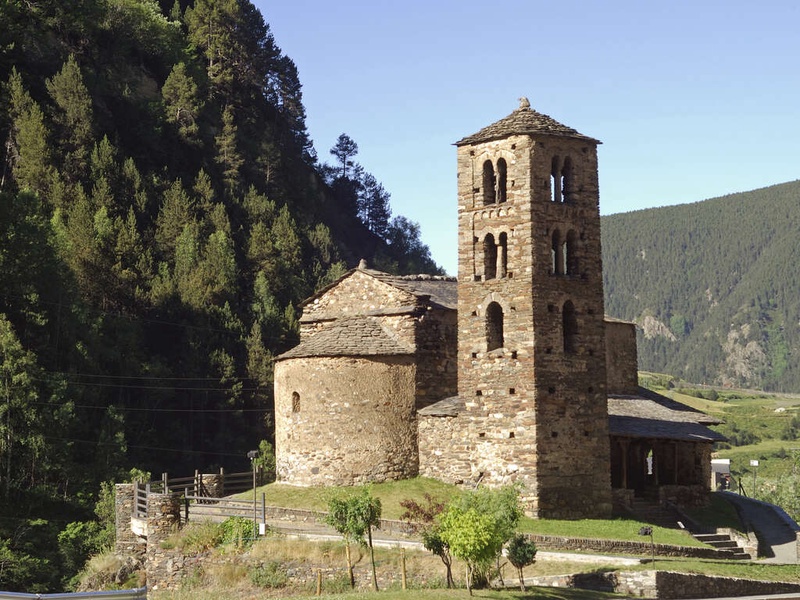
[(531, 350)]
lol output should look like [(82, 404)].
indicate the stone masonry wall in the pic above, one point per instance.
[(352, 420), (621, 359), (358, 294), (680, 586), (445, 449), (163, 567), (127, 542), (436, 356)]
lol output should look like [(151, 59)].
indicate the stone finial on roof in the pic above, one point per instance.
[(362, 264), (524, 103)]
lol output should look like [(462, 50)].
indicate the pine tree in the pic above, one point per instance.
[(73, 118), (344, 150), (228, 156), (373, 206), (27, 149), (182, 104)]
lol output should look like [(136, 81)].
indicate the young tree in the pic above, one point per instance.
[(521, 552), (476, 525), (352, 517), (423, 517)]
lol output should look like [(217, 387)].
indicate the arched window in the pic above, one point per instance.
[(502, 183), (494, 326), (489, 183), (566, 180), (502, 255), (555, 180), (570, 256), (489, 257), (295, 402), (569, 328), (557, 254)]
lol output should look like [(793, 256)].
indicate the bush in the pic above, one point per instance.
[(269, 575), (239, 531), (196, 537)]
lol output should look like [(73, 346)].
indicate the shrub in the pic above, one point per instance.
[(269, 575), (240, 531), (196, 537)]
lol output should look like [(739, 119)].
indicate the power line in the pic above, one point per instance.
[(140, 447), (170, 410), (128, 317), (153, 377), (155, 387)]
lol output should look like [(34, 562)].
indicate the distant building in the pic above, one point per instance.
[(511, 374)]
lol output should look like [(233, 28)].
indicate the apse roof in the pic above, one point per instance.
[(354, 336)]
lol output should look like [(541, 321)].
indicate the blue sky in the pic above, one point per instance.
[(692, 100)]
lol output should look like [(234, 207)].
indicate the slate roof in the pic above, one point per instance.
[(441, 290), (651, 415), (355, 336), (523, 121), (449, 407), (644, 415)]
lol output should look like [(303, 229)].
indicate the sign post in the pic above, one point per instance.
[(754, 464)]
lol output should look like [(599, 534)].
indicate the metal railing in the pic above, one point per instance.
[(134, 594)]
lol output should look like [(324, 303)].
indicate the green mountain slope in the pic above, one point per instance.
[(162, 213), (713, 285)]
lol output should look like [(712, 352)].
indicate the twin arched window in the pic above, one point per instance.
[(495, 256), (495, 183), (561, 179), (563, 256)]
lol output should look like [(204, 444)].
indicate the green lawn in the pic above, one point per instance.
[(607, 529), (392, 493)]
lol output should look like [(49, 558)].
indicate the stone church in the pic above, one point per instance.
[(511, 373)]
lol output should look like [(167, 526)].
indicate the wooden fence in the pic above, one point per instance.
[(201, 489)]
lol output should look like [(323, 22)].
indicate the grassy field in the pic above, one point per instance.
[(227, 573), (438, 594)]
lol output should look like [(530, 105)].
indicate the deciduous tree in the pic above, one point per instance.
[(354, 516)]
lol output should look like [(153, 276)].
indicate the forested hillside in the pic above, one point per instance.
[(714, 286), (162, 213)]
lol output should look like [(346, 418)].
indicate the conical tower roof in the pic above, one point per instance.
[(523, 121)]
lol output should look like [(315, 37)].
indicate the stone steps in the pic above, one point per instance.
[(652, 512), (721, 541)]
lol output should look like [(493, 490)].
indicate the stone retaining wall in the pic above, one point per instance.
[(551, 542), (665, 584), (680, 586)]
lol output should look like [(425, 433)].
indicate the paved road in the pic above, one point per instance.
[(776, 532)]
